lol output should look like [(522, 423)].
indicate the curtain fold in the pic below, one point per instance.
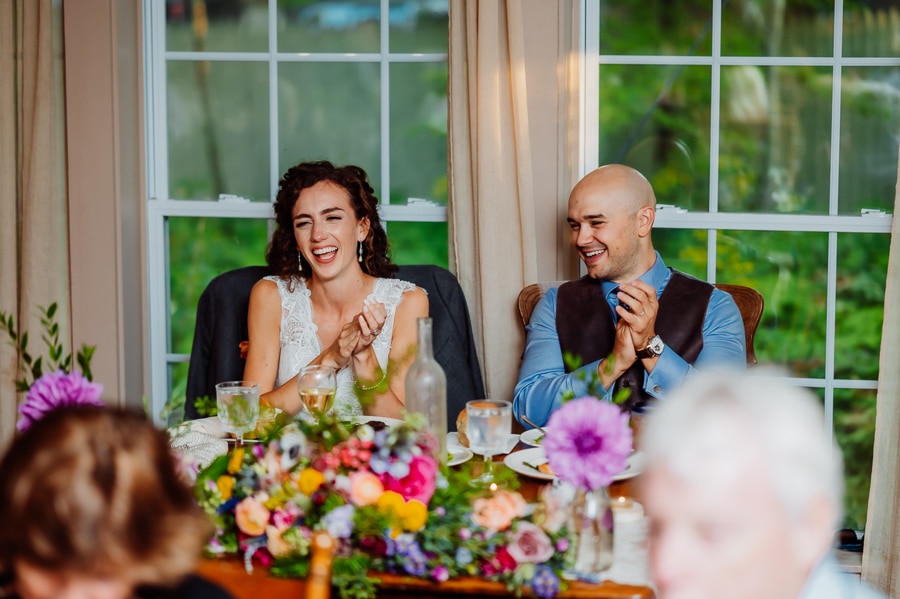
[(33, 233), (881, 557), (491, 217)]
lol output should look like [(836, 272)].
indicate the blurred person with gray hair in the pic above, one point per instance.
[(744, 490)]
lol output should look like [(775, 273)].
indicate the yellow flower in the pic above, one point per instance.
[(390, 503), (413, 515), (310, 480), (225, 484), (235, 460)]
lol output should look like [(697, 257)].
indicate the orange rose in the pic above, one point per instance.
[(365, 488), (251, 516), (499, 510)]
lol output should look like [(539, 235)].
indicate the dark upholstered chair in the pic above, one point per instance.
[(222, 326), (749, 301)]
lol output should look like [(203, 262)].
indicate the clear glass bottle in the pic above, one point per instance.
[(426, 388)]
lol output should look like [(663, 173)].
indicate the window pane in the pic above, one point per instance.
[(656, 27), (870, 120), (220, 26), (859, 311), (199, 249), (329, 26), (790, 270), (218, 129), (418, 243), (682, 249), (419, 132), (870, 28), (854, 428), (775, 138), (778, 28), (420, 26), (177, 375), (665, 138), (330, 111)]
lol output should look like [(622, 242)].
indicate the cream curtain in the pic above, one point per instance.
[(491, 204), (33, 239), (881, 558)]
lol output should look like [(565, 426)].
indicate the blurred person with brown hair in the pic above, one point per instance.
[(92, 506), (743, 486), (333, 299)]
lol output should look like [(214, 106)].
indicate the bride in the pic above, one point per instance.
[(333, 300)]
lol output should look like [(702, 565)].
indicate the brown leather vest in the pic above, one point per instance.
[(585, 326)]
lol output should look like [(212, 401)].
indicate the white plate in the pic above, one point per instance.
[(532, 437), (453, 442), (525, 462), (459, 455)]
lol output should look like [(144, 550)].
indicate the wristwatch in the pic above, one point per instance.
[(654, 348)]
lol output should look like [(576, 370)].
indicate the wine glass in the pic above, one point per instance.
[(488, 424), (316, 385), (238, 407)]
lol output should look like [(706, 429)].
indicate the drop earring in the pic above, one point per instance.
[(300, 262), (359, 251)]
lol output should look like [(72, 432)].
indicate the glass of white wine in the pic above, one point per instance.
[(488, 425), (238, 407), (316, 385)]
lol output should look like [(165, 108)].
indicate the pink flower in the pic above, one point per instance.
[(588, 442), (530, 544), (55, 390), (419, 483), (499, 510)]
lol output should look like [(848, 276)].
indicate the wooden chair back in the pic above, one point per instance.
[(749, 301)]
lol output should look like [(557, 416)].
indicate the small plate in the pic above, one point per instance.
[(453, 442), (525, 462), (459, 455), (532, 437)]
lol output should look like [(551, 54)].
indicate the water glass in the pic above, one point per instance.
[(238, 407), (316, 385), (488, 425)]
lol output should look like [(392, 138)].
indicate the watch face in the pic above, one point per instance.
[(656, 345)]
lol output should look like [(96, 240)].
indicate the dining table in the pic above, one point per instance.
[(230, 572)]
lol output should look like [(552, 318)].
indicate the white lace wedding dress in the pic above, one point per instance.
[(300, 341)]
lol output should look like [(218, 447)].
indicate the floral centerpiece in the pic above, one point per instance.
[(587, 443), (388, 503)]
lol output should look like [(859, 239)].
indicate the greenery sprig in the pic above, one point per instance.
[(592, 380), (57, 357)]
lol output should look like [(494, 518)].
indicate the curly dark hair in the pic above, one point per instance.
[(282, 256)]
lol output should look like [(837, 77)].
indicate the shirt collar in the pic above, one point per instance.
[(656, 277)]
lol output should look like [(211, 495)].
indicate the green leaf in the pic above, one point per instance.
[(51, 310)]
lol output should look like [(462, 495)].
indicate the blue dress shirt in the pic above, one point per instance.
[(543, 378)]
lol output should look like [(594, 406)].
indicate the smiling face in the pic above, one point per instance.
[(611, 213), (326, 229)]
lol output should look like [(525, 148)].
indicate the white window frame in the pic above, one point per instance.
[(713, 220), (159, 205)]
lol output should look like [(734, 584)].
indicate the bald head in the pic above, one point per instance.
[(611, 213), (629, 187)]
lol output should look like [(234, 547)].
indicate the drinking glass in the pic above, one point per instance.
[(316, 385), (238, 405), (488, 425)]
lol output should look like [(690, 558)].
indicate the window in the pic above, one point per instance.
[(240, 90), (769, 132)]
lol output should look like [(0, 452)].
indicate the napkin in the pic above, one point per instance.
[(200, 441)]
